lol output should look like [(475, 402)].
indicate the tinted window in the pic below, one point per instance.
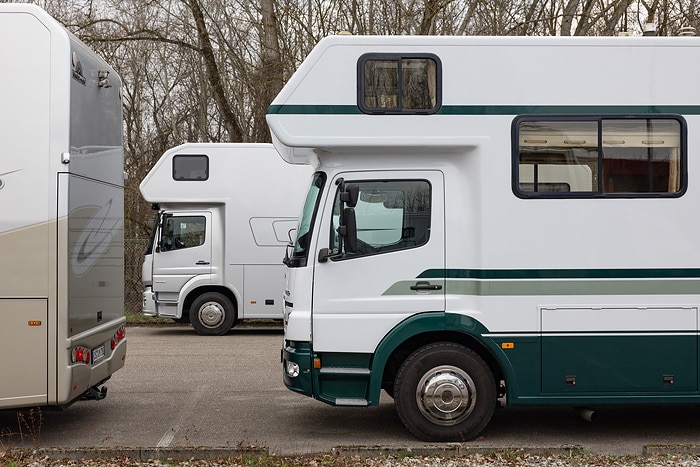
[(599, 156), (187, 167), (183, 232), (399, 84), (390, 216)]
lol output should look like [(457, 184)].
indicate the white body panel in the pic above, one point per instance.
[(251, 199), (61, 198), (474, 153), (583, 278)]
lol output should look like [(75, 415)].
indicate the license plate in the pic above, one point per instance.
[(98, 353)]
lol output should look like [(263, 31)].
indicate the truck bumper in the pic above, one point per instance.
[(296, 367), (149, 304)]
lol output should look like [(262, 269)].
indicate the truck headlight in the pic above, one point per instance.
[(292, 369)]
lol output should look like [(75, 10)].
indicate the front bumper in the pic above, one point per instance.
[(148, 307), (296, 367)]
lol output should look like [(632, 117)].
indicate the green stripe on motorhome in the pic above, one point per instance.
[(526, 282), (567, 109), (554, 287), (296, 109), (678, 273)]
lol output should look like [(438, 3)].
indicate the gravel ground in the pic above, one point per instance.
[(482, 460)]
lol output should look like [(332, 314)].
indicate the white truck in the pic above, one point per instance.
[(494, 218), (225, 213), (62, 203)]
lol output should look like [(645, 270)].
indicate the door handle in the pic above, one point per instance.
[(424, 285), (201, 262)]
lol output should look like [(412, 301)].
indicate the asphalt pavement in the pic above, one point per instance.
[(182, 391)]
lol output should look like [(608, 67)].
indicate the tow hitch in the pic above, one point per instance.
[(94, 394)]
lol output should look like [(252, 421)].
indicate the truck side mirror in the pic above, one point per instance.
[(349, 230), (350, 194)]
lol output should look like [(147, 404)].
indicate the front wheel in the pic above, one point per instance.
[(445, 392), (212, 314)]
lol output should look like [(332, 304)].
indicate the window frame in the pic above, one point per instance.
[(183, 179), (179, 219), (343, 255), (600, 119), (398, 57)]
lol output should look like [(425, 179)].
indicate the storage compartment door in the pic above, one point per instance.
[(632, 350), (23, 352)]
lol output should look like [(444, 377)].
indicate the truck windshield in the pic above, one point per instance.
[(154, 231), (300, 253)]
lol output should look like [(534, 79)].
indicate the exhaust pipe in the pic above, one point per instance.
[(589, 415)]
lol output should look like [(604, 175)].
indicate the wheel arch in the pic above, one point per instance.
[(194, 293), (418, 331)]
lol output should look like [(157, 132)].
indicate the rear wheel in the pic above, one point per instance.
[(212, 314), (445, 392)]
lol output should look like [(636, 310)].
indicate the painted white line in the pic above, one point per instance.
[(184, 414)]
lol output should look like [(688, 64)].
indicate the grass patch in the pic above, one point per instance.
[(140, 318)]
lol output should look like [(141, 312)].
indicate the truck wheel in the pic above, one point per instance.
[(212, 314), (445, 392)]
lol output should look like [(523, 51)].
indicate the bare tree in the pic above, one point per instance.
[(271, 70), (212, 67)]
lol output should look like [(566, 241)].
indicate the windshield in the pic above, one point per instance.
[(154, 230), (300, 252)]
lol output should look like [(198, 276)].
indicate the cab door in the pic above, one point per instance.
[(182, 251), (360, 296)]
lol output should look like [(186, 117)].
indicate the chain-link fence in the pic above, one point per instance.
[(134, 249)]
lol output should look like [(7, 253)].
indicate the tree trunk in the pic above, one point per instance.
[(270, 67), (567, 19), (228, 117)]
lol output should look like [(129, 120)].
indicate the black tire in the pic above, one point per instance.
[(445, 392), (212, 314)]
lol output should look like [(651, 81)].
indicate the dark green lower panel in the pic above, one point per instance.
[(555, 369), (343, 378), (300, 354), (632, 364)]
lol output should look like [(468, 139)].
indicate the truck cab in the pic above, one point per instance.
[(215, 254)]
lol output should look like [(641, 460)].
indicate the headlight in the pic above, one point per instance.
[(292, 369)]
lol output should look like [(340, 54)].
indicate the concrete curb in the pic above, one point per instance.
[(145, 454), (671, 449), (452, 450)]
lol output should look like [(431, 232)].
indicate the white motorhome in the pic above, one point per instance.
[(494, 218), (62, 203), (225, 216)]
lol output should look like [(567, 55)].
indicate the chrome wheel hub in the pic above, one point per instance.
[(446, 395), (211, 314)]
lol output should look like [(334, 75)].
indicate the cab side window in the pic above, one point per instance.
[(183, 232), (390, 216)]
